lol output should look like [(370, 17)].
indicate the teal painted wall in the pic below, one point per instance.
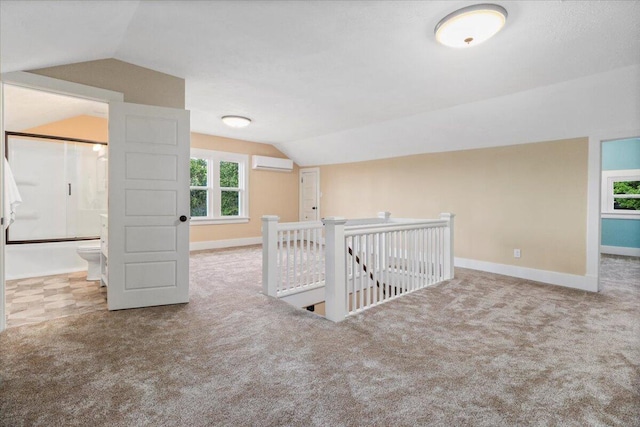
[(621, 154), (618, 155), (621, 232)]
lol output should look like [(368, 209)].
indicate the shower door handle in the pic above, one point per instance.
[(69, 188)]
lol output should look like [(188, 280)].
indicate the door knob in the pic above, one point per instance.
[(314, 208), (183, 218)]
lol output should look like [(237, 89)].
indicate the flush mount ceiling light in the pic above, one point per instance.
[(236, 121), (470, 25)]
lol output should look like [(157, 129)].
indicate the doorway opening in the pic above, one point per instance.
[(55, 146), (620, 211)]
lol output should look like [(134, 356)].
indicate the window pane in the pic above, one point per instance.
[(198, 203), (229, 205), (198, 173), (626, 204), (626, 187), (229, 174)]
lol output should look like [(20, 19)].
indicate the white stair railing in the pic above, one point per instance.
[(293, 254), (363, 262)]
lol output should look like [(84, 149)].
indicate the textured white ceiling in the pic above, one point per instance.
[(306, 70)]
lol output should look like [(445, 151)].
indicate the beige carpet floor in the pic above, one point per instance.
[(480, 350)]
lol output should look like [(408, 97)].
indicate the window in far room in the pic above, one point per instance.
[(219, 187), (621, 192)]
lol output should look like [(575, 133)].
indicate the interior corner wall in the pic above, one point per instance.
[(532, 197), (270, 193), (139, 85)]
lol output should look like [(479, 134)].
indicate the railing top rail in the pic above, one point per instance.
[(391, 226), (306, 225), (367, 224), (364, 221)]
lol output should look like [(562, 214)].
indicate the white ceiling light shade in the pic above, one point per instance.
[(470, 25), (236, 121)]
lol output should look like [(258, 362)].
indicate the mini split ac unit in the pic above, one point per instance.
[(275, 164)]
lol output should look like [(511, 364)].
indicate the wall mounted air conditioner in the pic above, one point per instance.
[(275, 164)]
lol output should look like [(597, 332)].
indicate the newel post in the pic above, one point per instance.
[(270, 255), (448, 263), (335, 290), (384, 215)]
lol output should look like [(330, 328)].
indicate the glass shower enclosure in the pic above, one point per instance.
[(63, 185)]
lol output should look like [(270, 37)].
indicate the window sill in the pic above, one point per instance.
[(214, 221), (621, 215)]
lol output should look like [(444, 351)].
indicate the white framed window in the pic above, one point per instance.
[(621, 193), (219, 187)]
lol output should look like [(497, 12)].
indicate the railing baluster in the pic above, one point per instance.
[(418, 257), (280, 257), (415, 283), (431, 256), (307, 277), (361, 277), (394, 269), (440, 257), (314, 275), (423, 268), (289, 260), (402, 257), (366, 264), (437, 254), (387, 265), (392, 254), (407, 244), (375, 285), (414, 260), (441, 252), (354, 303), (405, 259)]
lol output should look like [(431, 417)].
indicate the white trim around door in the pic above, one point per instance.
[(48, 84)]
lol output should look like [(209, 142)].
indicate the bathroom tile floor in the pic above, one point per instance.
[(37, 299)]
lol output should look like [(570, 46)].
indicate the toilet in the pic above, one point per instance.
[(91, 254)]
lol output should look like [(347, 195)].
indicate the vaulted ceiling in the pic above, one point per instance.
[(315, 76)]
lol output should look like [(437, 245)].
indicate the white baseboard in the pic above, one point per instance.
[(619, 250), (220, 244), (585, 283)]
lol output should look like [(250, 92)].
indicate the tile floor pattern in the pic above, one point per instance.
[(37, 299)]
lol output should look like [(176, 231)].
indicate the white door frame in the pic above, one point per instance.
[(3, 319), (300, 201), (594, 189), (48, 84)]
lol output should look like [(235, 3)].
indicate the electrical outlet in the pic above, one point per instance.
[(516, 253)]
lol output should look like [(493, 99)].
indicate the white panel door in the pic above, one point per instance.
[(309, 195), (148, 260)]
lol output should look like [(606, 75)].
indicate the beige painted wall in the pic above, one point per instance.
[(139, 85), (531, 196), (80, 127), (270, 193)]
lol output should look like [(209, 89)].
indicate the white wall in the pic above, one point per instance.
[(576, 108), (44, 259)]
